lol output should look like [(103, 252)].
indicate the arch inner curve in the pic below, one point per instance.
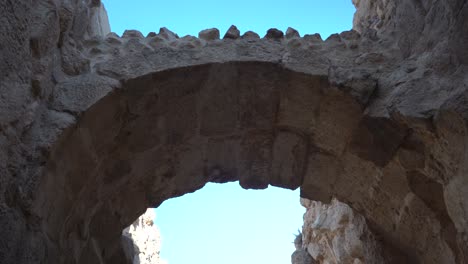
[(168, 133)]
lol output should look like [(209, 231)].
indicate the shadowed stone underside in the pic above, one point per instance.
[(165, 134)]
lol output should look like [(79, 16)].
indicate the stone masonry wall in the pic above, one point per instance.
[(142, 240), (375, 116)]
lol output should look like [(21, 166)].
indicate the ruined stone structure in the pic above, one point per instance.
[(142, 240), (95, 128), (334, 233)]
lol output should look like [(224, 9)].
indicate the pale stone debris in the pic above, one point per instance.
[(146, 240)]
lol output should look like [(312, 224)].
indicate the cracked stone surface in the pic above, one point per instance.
[(96, 127), (142, 240)]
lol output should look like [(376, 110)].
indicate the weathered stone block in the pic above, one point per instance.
[(219, 100), (209, 34), (321, 174), (289, 160), (377, 139), (222, 155), (255, 160), (299, 103)]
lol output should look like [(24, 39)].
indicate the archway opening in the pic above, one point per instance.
[(223, 223), (168, 133), (188, 18)]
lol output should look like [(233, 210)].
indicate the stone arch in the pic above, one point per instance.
[(167, 133)]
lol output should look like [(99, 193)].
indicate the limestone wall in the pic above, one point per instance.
[(142, 240)]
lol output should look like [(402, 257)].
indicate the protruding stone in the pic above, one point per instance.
[(350, 35), (151, 34), (292, 33), (335, 41), (232, 33), (113, 38), (274, 33), (132, 34), (359, 84), (167, 34), (255, 160), (209, 34), (250, 35), (313, 38), (112, 35), (289, 159), (334, 37), (301, 256)]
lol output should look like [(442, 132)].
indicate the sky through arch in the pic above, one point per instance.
[(188, 17), (223, 223)]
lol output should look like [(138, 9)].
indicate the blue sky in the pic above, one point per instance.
[(224, 223), (188, 17)]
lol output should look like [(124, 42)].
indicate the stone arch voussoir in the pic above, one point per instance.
[(168, 133)]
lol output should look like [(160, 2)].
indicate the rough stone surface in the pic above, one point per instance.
[(132, 34), (209, 34), (292, 33), (274, 33), (301, 256), (232, 33), (375, 117), (142, 241), (250, 35), (167, 34), (334, 233)]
